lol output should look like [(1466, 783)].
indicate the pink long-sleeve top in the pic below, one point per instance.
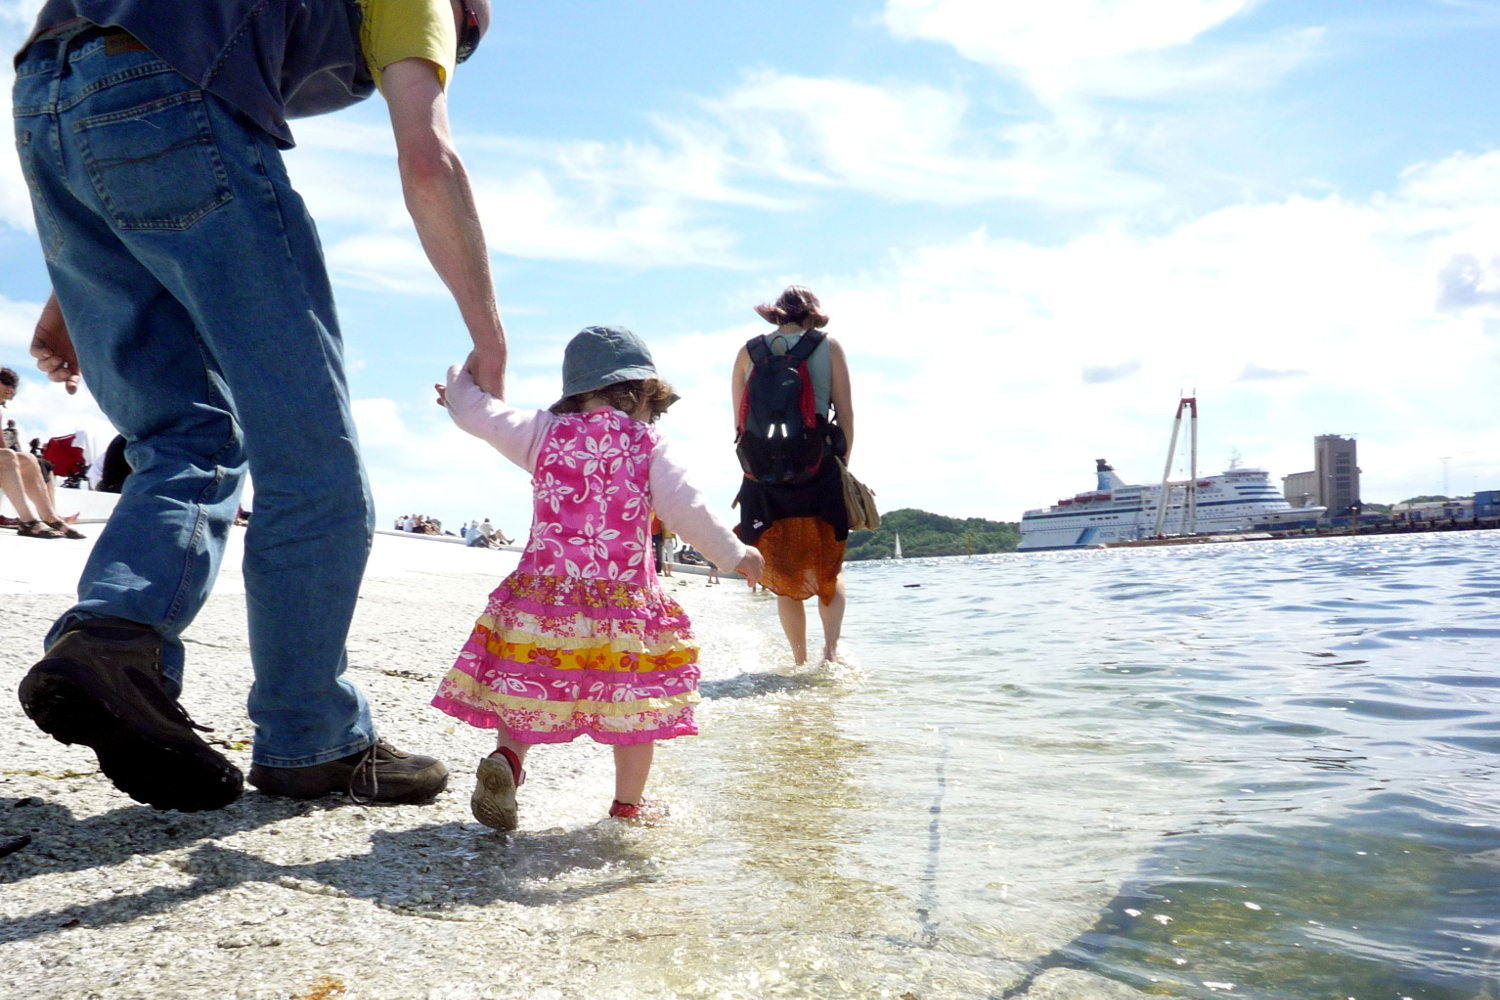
[(519, 435)]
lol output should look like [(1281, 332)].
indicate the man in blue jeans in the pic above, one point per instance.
[(190, 291)]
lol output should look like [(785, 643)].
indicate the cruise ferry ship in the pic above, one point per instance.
[(1236, 500)]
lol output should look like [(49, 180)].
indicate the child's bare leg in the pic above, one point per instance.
[(832, 614), (519, 749), (632, 768), (794, 624)]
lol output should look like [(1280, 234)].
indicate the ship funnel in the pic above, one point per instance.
[(1108, 481)]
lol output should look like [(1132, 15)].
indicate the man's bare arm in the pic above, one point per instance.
[(442, 207)]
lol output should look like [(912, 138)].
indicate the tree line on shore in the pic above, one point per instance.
[(925, 534)]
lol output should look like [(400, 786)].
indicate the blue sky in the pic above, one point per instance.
[(1032, 224)]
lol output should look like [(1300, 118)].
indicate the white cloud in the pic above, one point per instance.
[(1289, 319), (913, 143), (1118, 48), (16, 18), (967, 357)]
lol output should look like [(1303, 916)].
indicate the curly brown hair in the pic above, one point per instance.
[(627, 397), (797, 304)]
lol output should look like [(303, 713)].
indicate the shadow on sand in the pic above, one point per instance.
[(438, 867)]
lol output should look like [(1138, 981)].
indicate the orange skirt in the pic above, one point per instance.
[(802, 558)]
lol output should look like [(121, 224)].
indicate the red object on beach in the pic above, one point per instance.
[(66, 457)]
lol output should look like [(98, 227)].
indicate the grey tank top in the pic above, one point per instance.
[(819, 365)]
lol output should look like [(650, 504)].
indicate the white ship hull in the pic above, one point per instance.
[(1233, 502)]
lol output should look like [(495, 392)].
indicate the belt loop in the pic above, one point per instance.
[(65, 44)]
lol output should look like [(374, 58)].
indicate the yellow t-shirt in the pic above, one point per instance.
[(394, 30)]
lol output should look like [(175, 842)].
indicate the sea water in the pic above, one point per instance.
[(1261, 770)]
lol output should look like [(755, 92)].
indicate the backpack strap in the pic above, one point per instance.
[(757, 349), (805, 347)]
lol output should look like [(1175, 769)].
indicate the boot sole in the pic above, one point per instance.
[(494, 800), (159, 773)]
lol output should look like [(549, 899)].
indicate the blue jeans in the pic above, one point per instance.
[(193, 283)]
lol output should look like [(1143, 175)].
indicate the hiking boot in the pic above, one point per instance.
[(101, 685), (379, 773)]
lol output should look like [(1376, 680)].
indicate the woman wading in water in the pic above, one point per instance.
[(792, 500)]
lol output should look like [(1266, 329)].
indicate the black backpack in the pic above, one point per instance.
[(782, 438)]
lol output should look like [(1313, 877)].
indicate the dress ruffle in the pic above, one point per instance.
[(555, 658)]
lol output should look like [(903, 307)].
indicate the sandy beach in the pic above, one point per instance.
[(276, 898)]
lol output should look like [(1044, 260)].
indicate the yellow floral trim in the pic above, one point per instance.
[(559, 653)]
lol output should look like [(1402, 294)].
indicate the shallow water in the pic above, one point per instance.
[(1257, 770)]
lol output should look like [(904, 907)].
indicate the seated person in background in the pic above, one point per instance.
[(21, 480)]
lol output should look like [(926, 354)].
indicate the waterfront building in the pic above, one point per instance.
[(1334, 480), (1300, 489)]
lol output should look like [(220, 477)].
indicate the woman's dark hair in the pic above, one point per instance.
[(797, 304), (627, 397), (10, 378)]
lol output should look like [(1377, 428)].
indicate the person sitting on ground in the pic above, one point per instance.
[(21, 480)]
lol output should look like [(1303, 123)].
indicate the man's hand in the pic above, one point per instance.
[(52, 346), (488, 369), (752, 566)]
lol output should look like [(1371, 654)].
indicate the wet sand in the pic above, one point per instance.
[(745, 891)]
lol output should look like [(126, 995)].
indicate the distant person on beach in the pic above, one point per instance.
[(792, 504), (658, 540), (23, 479), (12, 436), (184, 264), (580, 640)]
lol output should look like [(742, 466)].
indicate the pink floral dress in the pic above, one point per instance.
[(580, 639)]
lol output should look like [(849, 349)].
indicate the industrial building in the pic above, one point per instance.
[(1333, 481)]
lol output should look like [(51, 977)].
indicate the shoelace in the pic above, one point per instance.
[(369, 759)]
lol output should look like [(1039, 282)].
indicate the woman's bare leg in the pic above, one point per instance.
[(794, 624), (632, 768), (36, 486), (11, 486), (832, 614)]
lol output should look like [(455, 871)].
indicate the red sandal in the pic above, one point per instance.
[(645, 811)]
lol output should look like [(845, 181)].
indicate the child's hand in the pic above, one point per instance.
[(751, 566), (442, 392)]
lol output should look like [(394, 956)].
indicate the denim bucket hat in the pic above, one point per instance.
[(603, 355)]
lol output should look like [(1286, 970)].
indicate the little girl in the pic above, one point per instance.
[(580, 640)]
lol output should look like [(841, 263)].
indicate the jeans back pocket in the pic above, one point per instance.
[(47, 229), (155, 166)]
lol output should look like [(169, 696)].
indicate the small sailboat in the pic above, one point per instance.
[(898, 545)]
